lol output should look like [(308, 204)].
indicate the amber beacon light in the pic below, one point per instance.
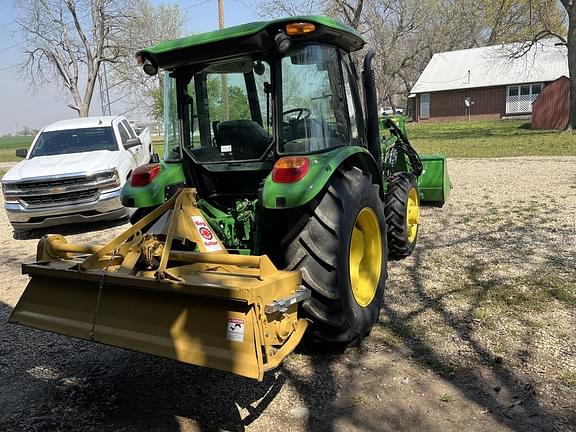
[(300, 28)]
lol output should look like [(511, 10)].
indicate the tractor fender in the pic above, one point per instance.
[(156, 192), (322, 167)]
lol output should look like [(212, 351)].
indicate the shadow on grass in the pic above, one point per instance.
[(52, 382), (491, 374)]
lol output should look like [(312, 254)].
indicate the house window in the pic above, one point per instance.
[(425, 105), (519, 98)]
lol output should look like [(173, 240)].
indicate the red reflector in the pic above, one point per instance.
[(143, 175), (290, 169)]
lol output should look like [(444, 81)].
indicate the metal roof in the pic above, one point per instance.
[(492, 66)]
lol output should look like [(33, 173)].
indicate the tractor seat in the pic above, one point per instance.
[(246, 138)]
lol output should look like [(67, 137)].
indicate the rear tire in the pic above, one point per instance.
[(339, 244), (402, 215)]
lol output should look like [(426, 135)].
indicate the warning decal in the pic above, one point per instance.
[(235, 330), (205, 233), (211, 243)]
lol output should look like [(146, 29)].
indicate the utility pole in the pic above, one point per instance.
[(225, 110)]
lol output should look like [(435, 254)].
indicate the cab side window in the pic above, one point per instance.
[(353, 102), (314, 116)]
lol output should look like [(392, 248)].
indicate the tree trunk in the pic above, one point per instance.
[(571, 43), (84, 109)]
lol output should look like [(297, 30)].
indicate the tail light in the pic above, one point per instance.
[(143, 175), (290, 169)]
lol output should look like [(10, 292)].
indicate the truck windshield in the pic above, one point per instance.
[(74, 141), (225, 111)]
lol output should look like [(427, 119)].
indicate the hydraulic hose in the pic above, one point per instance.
[(405, 145)]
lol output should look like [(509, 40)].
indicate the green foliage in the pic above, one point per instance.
[(237, 101), (157, 99), (520, 20)]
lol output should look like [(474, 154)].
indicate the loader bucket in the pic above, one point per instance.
[(434, 182), (229, 312)]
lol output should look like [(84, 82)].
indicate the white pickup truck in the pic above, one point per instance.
[(74, 172)]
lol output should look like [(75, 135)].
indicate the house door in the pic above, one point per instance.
[(425, 105)]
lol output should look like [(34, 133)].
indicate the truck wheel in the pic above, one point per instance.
[(402, 214), (339, 245)]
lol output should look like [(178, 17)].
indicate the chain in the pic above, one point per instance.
[(99, 296)]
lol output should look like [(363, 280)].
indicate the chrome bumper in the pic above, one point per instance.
[(106, 206)]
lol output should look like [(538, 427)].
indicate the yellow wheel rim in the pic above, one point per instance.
[(412, 215), (365, 260)]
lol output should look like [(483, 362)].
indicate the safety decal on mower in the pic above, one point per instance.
[(210, 241), (235, 330)]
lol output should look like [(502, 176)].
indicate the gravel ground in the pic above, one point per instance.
[(476, 334)]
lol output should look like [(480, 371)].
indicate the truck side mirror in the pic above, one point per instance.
[(21, 152), (132, 142)]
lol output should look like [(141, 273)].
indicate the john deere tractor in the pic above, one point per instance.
[(272, 159)]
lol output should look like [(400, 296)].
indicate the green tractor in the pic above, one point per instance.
[(272, 125)]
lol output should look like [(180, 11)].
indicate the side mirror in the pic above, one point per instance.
[(132, 142), (21, 152)]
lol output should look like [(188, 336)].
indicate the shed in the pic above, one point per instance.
[(551, 109), (486, 82)]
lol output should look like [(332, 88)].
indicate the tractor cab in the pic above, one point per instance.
[(236, 103)]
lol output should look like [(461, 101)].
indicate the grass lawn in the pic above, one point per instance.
[(158, 145), (8, 146), (477, 139), (496, 138)]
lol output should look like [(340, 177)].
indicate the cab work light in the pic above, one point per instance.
[(300, 28), (290, 169)]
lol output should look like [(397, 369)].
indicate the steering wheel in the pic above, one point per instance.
[(303, 113)]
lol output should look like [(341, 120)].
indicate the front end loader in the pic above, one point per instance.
[(274, 210)]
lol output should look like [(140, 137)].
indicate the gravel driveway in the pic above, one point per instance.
[(477, 333)]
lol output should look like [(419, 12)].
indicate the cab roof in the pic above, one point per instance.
[(250, 38)]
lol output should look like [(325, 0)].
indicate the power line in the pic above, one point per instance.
[(10, 47), (8, 67), (261, 15), (200, 3)]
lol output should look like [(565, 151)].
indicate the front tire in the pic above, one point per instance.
[(339, 245), (402, 215)]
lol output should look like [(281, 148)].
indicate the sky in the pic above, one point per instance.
[(22, 106)]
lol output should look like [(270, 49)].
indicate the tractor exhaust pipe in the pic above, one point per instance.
[(373, 129)]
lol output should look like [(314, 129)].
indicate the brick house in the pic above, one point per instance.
[(485, 83)]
